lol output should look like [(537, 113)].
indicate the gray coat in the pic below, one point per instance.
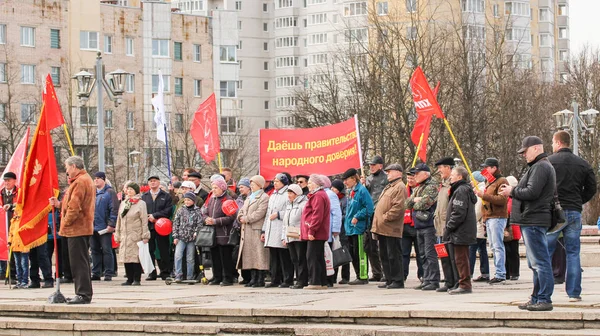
[(273, 228), (253, 255), (293, 216), (375, 184)]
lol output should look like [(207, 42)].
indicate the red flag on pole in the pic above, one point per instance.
[(39, 182), (425, 100), (205, 131), (421, 128), (15, 165), (53, 113)]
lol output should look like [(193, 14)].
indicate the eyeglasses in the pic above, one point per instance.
[(302, 182)]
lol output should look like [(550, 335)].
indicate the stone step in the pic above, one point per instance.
[(62, 327)]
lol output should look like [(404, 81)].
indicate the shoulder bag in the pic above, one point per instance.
[(206, 236)]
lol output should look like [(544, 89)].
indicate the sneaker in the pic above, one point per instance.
[(575, 299), (482, 279), (459, 290), (525, 305), (496, 281), (359, 282), (540, 306)]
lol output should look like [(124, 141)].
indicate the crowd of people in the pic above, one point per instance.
[(283, 229)]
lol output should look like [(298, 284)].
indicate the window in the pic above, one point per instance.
[(155, 83), (286, 22), (109, 156), (238, 5), (107, 44), (287, 121), (563, 55), (2, 34), (285, 101), (518, 35), (239, 85), (178, 127), (286, 62), (239, 25), (128, 46), (228, 125), (546, 65), (228, 89), (545, 40), (28, 113), (265, 7), (178, 86), (382, 8), (4, 155), (356, 35), (317, 38), (177, 54), (284, 3), (265, 46), (54, 38), (3, 73), (411, 6), (266, 104), (544, 15), (197, 53), (563, 33), (197, 88), (130, 120), (2, 112), (474, 6), (286, 81), (317, 59), (239, 45), (316, 2), (288, 41), (316, 19), (266, 124), (266, 85), (130, 83), (563, 10), (27, 37), (522, 61), (87, 116), (160, 48), (240, 63), (88, 40), (266, 66), (179, 158), (55, 74), (108, 119), (355, 8), (475, 32), (27, 74), (517, 8), (265, 27), (227, 54), (563, 77)]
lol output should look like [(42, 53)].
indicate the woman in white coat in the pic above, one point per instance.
[(281, 266), (291, 234)]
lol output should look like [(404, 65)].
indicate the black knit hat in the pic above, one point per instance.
[(339, 185)]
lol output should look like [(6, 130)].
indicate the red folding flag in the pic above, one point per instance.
[(425, 100), (421, 128), (54, 117), (205, 130), (15, 165), (39, 183)]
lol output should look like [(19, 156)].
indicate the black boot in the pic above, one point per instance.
[(260, 279), (253, 277)]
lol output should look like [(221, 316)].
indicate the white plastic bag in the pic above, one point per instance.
[(145, 259), (328, 260), (336, 243)]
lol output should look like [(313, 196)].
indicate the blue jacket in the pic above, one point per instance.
[(335, 217), (107, 208), (360, 206)]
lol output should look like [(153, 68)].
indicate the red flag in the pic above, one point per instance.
[(39, 183), (421, 128), (425, 100), (54, 115), (205, 131), (15, 165)]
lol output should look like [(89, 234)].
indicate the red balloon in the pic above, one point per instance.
[(229, 207), (163, 226)]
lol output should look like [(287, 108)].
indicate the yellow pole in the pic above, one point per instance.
[(418, 149), (459, 150), (220, 163), (69, 139)]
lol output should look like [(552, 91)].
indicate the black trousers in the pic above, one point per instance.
[(133, 272), (372, 250), (164, 247), (315, 257), (39, 260), (409, 238), (61, 255), (353, 245), (449, 267), (559, 261), (79, 259), (298, 255), (222, 263), (513, 261), (281, 266), (390, 252)]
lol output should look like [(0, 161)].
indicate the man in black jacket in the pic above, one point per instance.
[(531, 209), (576, 185), (375, 183), (461, 226), (159, 205)]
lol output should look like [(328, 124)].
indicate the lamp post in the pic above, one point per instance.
[(113, 82), (135, 159), (576, 122)]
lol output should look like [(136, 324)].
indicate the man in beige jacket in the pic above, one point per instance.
[(388, 224)]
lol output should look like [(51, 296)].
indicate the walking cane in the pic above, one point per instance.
[(57, 296)]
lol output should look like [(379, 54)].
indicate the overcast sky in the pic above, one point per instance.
[(584, 23)]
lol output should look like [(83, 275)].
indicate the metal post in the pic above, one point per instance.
[(100, 112), (575, 128), (137, 165)]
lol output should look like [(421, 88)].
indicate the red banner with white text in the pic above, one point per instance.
[(327, 150)]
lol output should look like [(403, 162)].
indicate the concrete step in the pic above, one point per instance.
[(32, 326)]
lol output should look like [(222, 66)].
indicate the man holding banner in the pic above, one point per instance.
[(9, 200)]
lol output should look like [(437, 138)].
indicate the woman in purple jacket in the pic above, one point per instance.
[(315, 230)]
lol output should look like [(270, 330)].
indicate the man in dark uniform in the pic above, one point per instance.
[(9, 200)]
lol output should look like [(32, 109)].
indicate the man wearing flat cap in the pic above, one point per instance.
[(388, 223), (375, 183), (201, 194), (494, 215), (159, 205), (531, 209), (8, 202)]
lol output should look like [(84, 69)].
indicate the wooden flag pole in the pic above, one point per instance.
[(69, 139), (459, 150), (418, 149), (220, 163)]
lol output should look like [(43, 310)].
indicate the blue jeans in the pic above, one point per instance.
[(190, 253), (22, 264), (495, 235), (571, 234), (102, 254), (484, 263), (539, 261)]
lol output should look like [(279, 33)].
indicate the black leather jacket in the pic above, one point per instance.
[(533, 196), (375, 184), (461, 223), (575, 179)]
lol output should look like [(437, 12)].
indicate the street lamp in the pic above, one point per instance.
[(113, 82), (135, 159), (576, 122)]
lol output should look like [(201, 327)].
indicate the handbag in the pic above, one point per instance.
[(423, 216), (234, 237), (292, 232), (206, 236), (341, 254), (558, 215)]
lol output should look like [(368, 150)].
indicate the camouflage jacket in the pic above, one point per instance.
[(428, 191)]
